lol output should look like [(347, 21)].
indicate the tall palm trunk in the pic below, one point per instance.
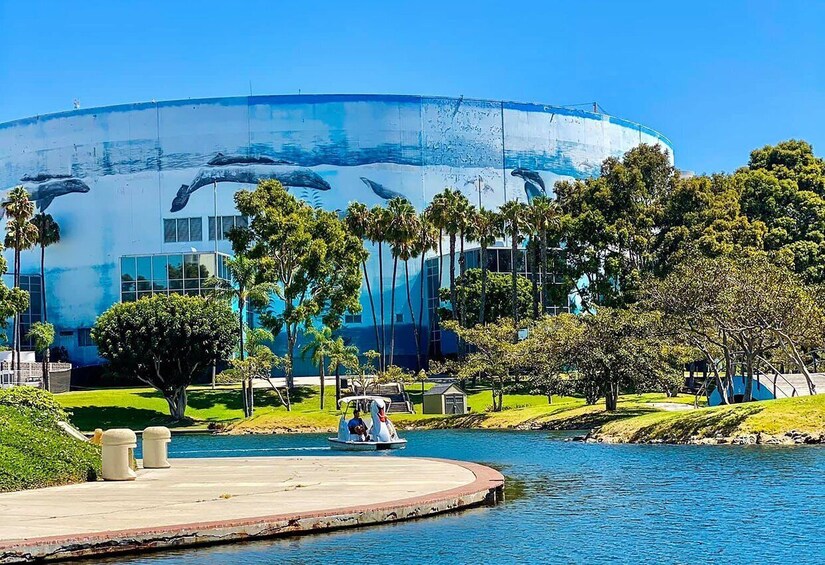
[(545, 284), (47, 352), (321, 368), (535, 249), (435, 321), (245, 386), (382, 350), (412, 315), (372, 307), (392, 308), (452, 276), (483, 305), (337, 383), (15, 349), (423, 278), (514, 275)]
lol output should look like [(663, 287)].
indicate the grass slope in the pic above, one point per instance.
[(773, 417), (35, 452), (138, 408)]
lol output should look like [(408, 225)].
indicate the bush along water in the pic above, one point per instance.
[(34, 451)]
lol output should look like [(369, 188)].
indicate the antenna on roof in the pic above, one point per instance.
[(76, 104)]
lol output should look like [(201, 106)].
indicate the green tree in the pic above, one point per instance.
[(547, 352), (488, 226), (401, 231), (21, 234), (256, 364), (307, 254), (165, 341), (340, 355), (426, 240), (359, 221), (48, 233), (446, 212), (378, 233), (497, 294), (513, 213), (42, 335), (318, 348), (544, 217)]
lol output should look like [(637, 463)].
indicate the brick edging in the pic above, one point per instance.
[(487, 488)]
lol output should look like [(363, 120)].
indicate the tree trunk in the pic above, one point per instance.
[(290, 348), (424, 281), (545, 284), (611, 397), (462, 309), (372, 306), (392, 309), (240, 328), (177, 402), (452, 278), (514, 276), (337, 384), (483, 304), (45, 362), (321, 369), (535, 278), (382, 363), (412, 315), (251, 397), (749, 378)]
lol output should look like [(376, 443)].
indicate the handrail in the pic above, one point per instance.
[(760, 373)]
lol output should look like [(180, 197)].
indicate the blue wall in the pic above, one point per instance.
[(110, 176)]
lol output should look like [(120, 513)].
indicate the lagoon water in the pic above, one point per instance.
[(568, 502)]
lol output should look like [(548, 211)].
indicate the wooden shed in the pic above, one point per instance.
[(445, 399)]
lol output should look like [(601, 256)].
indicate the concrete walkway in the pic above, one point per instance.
[(221, 499)]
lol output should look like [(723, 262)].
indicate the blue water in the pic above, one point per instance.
[(568, 502)]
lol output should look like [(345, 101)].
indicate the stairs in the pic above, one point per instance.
[(789, 385)]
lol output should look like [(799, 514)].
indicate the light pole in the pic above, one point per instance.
[(215, 274)]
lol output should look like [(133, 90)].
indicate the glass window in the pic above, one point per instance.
[(241, 222), (127, 287), (159, 286), (207, 265), (190, 266), (504, 260), (228, 222), (211, 228), (144, 268), (175, 266), (144, 294), (144, 285), (128, 272), (183, 229), (190, 284), (129, 297), (84, 337), (170, 230), (159, 267), (195, 229)]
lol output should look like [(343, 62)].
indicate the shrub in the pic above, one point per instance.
[(28, 397)]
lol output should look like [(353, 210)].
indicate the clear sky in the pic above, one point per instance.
[(719, 78)]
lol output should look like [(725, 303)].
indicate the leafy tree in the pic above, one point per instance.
[(421, 377), (165, 341), (256, 364), (446, 212), (378, 234), (42, 334), (494, 355), (21, 234), (306, 253), (426, 240), (611, 224), (48, 233), (544, 216), (13, 301), (318, 348), (340, 355), (547, 353), (402, 227), (497, 295)]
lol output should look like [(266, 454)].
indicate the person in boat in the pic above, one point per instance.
[(357, 426)]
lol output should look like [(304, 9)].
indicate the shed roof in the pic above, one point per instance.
[(441, 389)]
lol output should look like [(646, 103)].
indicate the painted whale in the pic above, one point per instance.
[(248, 170), (533, 183), (43, 188), (381, 190)]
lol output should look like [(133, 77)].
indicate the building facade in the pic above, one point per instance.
[(144, 192)]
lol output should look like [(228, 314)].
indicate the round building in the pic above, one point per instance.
[(143, 193)]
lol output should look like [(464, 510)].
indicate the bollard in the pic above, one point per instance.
[(97, 437), (117, 453), (155, 447)]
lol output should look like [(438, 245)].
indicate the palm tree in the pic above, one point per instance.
[(546, 216), (48, 233), (42, 334), (244, 288), (358, 221), (377, 233), (447, 209), (318, 348), (21, 234), (513, 214), (465, 218), (488, 227), (401, 237), (426, 240), (340, 355)]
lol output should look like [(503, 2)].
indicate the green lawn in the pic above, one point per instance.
[(137, 408), (774, 417)]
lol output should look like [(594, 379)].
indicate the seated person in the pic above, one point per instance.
[(357, 426)]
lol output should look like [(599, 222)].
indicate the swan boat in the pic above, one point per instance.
[(381, 433)]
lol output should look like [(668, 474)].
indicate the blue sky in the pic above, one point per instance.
[(719, 78)]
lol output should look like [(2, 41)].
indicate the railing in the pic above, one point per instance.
[(776, 375), (27, 373)]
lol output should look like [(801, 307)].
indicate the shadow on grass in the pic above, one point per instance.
[(88, 418), (592, 420), (704, 423), (230, 399)]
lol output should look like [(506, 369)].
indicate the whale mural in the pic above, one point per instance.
[(43, 188), (382, 191), (533, 183), (244, 169)]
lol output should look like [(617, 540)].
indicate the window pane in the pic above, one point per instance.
[(128, 287), (169, 230), (159, 267), (183, 229), (191, 283), (159, 285), (128, 271), (144, 268), (211, 222), (190, 266), (175, 285), (129, 297), (192, 292), (207, 265), (241, 222), (144, 285), (175, 266), (504, 260), (228, 223), (195, 229), (144, 295)]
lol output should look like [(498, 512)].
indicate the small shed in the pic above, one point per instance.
[(445, 399)]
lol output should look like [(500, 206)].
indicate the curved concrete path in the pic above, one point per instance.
[(200, 501)]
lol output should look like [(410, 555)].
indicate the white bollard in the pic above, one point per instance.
[(155, 447), (116, 454)]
